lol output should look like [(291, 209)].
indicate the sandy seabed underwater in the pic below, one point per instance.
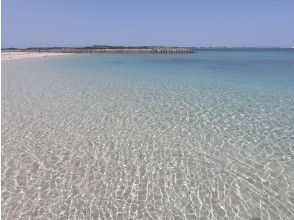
[(208, 135)]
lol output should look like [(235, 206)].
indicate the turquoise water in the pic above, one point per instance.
[(208, 135)]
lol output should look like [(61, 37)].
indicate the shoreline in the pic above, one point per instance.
[(24, 55), (12, 54)]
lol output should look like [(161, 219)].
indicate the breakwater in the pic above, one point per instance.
[(88, 50)]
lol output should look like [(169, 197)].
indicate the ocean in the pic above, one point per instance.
[(208, 135)]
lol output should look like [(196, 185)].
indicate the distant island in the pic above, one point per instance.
[(103, 49)]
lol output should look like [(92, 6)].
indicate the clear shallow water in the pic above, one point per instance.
[(198, 136)]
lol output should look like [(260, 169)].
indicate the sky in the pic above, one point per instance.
[(39, 23)]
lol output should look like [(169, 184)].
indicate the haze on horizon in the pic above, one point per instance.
[(34, 23)]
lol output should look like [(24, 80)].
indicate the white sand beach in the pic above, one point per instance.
[(23, 55)]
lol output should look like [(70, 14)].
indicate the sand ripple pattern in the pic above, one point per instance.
[(106, 144)]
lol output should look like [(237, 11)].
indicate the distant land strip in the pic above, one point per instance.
[(103, 49)]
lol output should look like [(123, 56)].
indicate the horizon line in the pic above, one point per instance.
[(114, 45)]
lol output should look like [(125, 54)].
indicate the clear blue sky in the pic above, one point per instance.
[(27, 23)]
